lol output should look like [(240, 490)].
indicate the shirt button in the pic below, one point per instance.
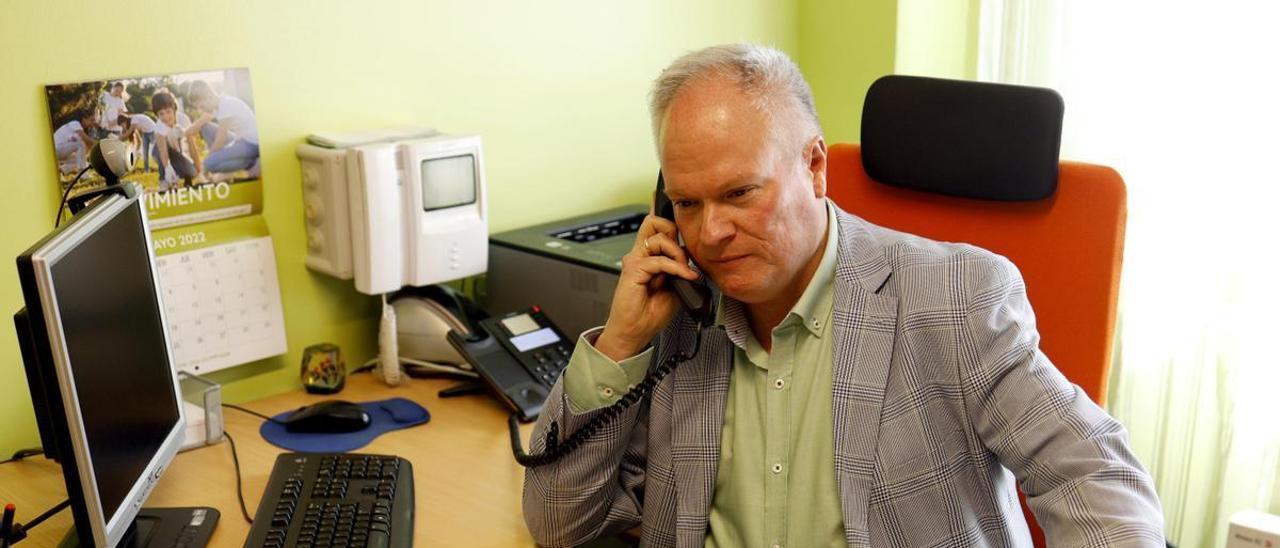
[(606, 391), (816, 323), (777, 468), (779, 383), (777, 546)]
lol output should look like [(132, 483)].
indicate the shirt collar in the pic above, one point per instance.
[(812, 307)]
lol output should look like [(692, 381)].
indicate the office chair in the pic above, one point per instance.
[(978, 163)]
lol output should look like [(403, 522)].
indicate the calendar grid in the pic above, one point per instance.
[(223, 304)]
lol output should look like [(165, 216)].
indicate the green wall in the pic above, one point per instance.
[(937, 38), (844, 46), (557, 89)]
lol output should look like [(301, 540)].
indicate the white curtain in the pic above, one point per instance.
[(1182, 99)]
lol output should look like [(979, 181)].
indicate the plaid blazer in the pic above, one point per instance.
[(941, 398)]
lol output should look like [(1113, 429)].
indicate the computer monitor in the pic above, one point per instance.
[(99, 363)]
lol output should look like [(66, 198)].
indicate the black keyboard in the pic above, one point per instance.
[(316, 500)]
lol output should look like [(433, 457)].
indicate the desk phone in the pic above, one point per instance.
[(519, 355)]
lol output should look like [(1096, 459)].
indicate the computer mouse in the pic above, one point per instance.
[(328, 417)]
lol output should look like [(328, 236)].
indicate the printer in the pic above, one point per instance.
[(567, 267)]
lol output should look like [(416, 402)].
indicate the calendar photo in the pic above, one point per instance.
[(192, 137)]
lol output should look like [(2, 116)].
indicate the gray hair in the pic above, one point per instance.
[(770, 78)]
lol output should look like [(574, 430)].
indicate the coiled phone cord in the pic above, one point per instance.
[(556, 449)]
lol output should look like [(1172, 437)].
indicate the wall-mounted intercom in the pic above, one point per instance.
[(394, 214)]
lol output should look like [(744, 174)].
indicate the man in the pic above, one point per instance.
[(859, 386)]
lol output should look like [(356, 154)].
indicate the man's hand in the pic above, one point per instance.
[(642, 302)]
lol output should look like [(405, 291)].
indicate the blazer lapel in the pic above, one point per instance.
[(699, 393), (864, 323)]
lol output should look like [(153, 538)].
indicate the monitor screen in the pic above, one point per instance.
[(448, 182), (116, 346)]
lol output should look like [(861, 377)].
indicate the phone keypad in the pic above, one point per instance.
[(549, 363)]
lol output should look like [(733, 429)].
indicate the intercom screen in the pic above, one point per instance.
[(448, 182)]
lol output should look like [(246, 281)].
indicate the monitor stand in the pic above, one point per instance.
[(163, 528)]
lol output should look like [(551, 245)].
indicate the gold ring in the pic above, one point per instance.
[(646, 247)]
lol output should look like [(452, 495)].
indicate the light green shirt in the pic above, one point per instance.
[(775, 481)]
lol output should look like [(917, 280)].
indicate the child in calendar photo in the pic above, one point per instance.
[(140, 133), (229, 128), (174, 131), (113, 109), (72, 141)]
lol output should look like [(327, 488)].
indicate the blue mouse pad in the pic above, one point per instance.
[(387, 415)]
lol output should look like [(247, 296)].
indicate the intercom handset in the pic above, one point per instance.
[(695, 297), (519, 355)]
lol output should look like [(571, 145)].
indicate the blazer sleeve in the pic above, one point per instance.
[(1072, 459), (597, 489)]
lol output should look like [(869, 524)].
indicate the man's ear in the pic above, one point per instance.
[(816, 153)]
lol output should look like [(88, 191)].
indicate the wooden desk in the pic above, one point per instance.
[(466, 483)]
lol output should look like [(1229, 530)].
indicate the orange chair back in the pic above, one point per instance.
[(1068, 247)]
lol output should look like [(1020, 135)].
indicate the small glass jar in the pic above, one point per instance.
[(323, 371)]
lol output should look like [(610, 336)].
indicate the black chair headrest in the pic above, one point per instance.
[(960, 138)]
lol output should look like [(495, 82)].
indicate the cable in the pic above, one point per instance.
[(235, 457), (556, 449), (63, 204), (426, 366), (388, 346), (46, 515), (252, 412), (22, 454), (441, 368), (19, 530)]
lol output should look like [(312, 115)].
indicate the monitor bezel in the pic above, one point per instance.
[(106, 530)]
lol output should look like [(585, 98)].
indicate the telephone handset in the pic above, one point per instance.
[(694, 296)]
